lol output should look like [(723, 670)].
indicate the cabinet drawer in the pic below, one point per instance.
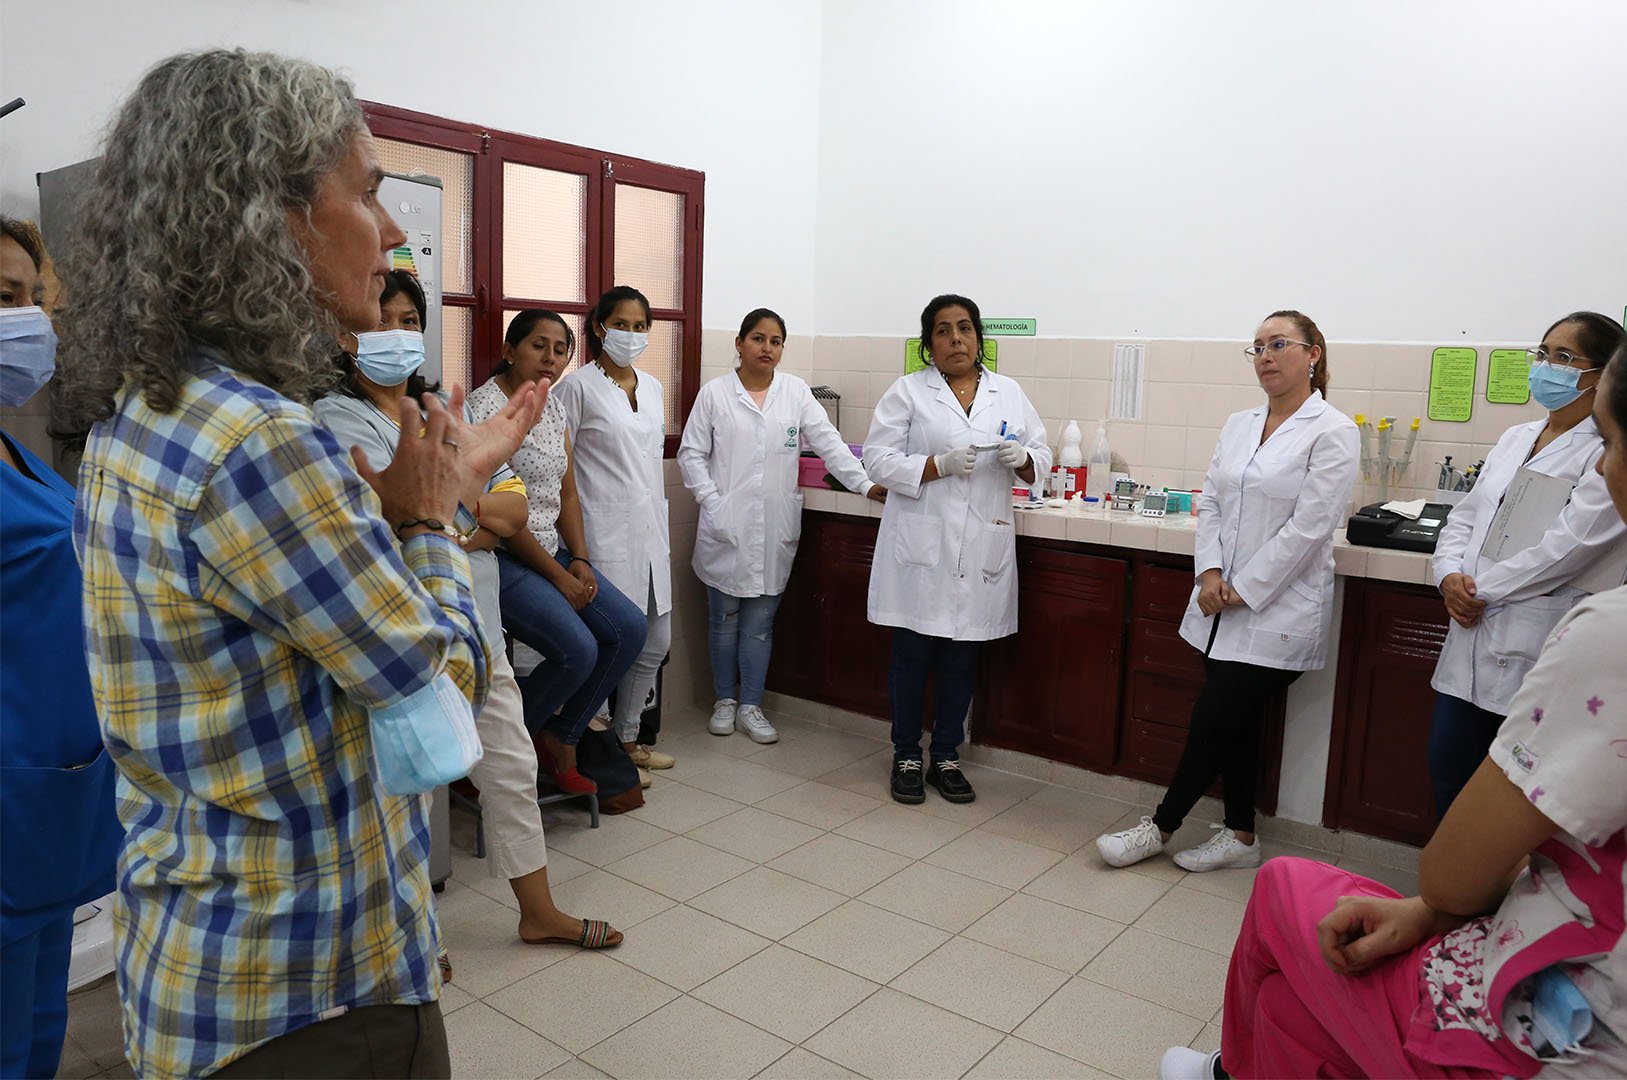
[(1162, 593), (1162, 700), (1158, 647)]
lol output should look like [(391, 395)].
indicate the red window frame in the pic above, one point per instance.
[(604, 172)]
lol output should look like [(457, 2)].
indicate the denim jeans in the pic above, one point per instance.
[(917, 657), (1460, 736), (34, 998), (585, 653), (742, 637)]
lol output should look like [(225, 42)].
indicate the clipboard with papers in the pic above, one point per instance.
[(1531, 505)]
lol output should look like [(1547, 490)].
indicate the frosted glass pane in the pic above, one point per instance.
[(457, 347), (650, 244), (456, 172), (663, 359), (575, 323), (544, 233)]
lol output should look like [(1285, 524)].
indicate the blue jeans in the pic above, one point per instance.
[(34, 998), (917, 657), (585, 653), (742, 636), (1459, 738)]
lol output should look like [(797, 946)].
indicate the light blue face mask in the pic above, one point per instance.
[(1554, 388), (426, 739), (27, 353), (389, 357)]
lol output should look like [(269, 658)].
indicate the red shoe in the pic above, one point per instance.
[(569, 780)]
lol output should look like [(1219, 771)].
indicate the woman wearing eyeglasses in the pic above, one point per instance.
[(1277, 488), (1503, 604)]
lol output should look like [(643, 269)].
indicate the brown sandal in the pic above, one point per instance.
[(596, 934), (445, 962)]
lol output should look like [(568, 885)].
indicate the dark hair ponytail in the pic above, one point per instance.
[(521, 326), (602, 310)]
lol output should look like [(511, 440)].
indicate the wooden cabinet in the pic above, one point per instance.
[(1378, 760), (1052, 689)]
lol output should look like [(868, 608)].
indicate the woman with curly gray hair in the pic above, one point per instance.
[(283, 660)]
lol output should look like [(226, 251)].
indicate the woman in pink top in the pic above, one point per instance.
[(1511, 959)]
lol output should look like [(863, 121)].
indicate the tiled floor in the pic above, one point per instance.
[(784, 918)]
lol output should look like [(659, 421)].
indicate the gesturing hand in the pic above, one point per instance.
[(483, 447)]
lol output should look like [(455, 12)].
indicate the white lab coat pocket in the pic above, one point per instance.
[(1289, 629), (1518, 631), (789, 529), (999, 543), (920, 540)]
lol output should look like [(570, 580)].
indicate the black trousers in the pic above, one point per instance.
[(372, 1041), (1223, 740)]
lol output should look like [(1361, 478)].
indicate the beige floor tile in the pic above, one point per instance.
[(459, 902), (698, 751), (95, 1023), (1081, 881), (582, 1000), (617, 837), (1209, 922), (678, 807), (1056, 818), (483, 1042), (817, 753), (121, 1071), (1208, 1039), (767, 902), (1107, 1028), (819, 805), (868, 776), (1404, 882), (801, 1064), (755, 834), (1062, 937), (680, 868), (786, 992), (892, 1034), (454, 997), (936, 896), (1015, 1059), (574, 1069), (998, 860), (686, 1038), (561, 868), (981, 983), (904, 830), (601, 895), (743, 781), (683, 947), (1166, 972), (835, 862), (475, 874), (487, 953), (75, 1064), (867, 941), (997, 792)]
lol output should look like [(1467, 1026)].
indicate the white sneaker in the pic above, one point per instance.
[(1132, 845), (722, 722), (750, 720), (1185, 1063), (1218, 852)]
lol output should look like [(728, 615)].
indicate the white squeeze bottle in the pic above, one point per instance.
[(1099, 469)]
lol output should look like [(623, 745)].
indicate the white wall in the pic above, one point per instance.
[(729, 88), (1403, 170)]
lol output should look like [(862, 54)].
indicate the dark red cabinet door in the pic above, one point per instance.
[(1378, 761), (1052, 689)]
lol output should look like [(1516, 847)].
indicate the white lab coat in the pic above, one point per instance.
[(617, 454), (1266, 521), (741, 463), (1528, 592), (945, 559)]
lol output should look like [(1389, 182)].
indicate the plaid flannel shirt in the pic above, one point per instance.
[(245, 606)]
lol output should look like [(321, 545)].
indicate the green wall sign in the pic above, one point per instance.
[(1508, 377), (914, 362), (1010, 327), (1451, 384)]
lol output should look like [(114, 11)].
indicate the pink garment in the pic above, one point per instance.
[(1289, 1014)]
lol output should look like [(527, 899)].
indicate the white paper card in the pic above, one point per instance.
[(1129, 381)]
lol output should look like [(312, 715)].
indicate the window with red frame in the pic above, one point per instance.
[(532, 223)]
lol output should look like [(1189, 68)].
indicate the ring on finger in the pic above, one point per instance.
[(452, 443)]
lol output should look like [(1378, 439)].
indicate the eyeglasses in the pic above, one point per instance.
[(1254, 352), (1559, 358)]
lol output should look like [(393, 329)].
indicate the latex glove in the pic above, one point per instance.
[(1012, 454), (957, 462)]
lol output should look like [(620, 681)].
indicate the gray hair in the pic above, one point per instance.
[(183, 238)]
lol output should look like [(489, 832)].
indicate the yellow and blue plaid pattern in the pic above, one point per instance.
[(245, 607)]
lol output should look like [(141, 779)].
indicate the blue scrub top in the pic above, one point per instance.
[(59, 831)]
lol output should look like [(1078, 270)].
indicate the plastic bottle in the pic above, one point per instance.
[(1099, 474), (1072, 453)]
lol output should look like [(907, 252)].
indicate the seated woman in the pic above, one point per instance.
[(362, 412), (1511, 960)]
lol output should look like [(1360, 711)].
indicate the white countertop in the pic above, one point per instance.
[(1174, 534)]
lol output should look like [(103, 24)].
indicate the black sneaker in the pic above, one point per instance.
[(950, 781), (907, 781)]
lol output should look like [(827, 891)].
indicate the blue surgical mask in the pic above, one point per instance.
[(1554, 388), (389, 357), (27, 353)]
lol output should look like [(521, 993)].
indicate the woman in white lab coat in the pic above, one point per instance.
[(1278, 487), (739, 457), (946, 442), (1502, 610), (616, 419)]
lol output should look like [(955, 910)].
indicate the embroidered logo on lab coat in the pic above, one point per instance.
[(1524, 758), (791, 436)]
